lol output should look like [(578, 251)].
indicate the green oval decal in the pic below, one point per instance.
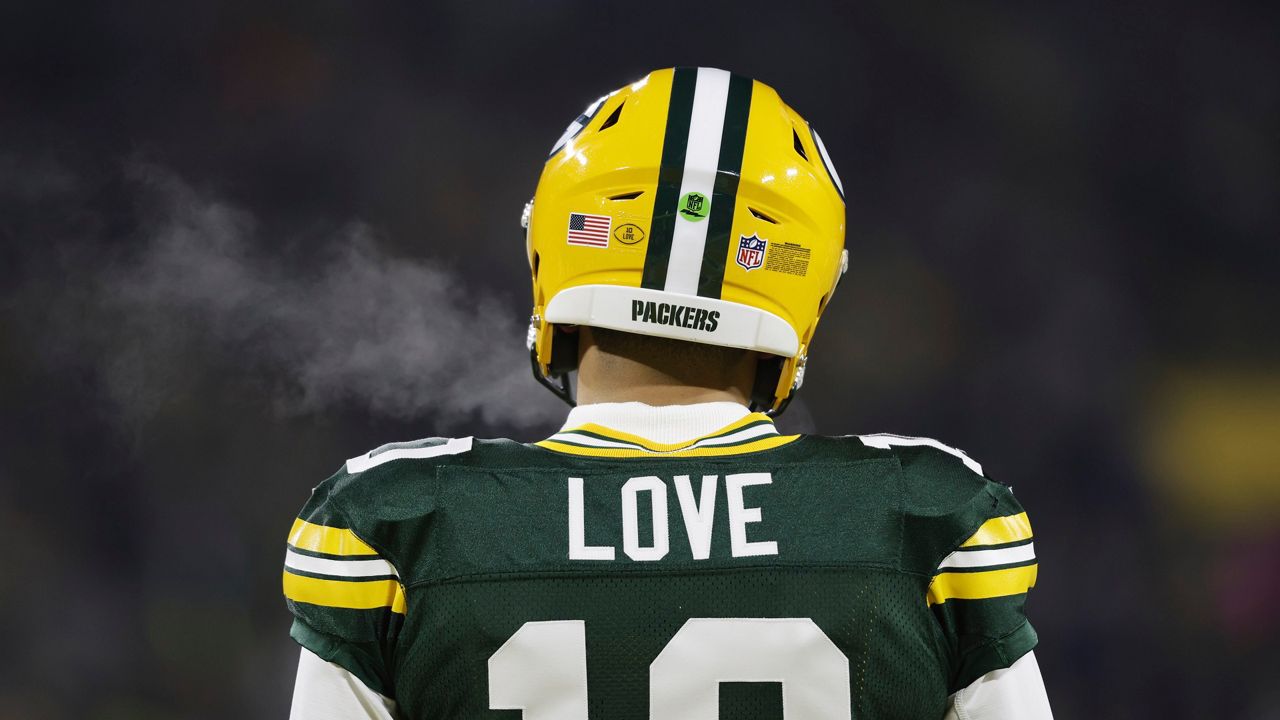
[(695, 206)]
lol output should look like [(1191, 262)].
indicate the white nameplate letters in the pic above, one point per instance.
[(698, 511)]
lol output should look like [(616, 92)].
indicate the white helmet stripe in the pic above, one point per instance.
[(702, 156), (578, 123), (826, 160)]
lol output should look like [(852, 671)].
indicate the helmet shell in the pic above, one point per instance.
[(693, 204)]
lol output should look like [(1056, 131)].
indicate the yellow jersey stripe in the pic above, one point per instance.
[(997, 531), (356, 595), (620, 436), (765, 443), (981, 585), (328, 540)]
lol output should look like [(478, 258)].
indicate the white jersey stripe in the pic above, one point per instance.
[(983, 558), (339, 568), (884, 441), (738, 436), (702, 157), (453, 447), (577, 439), (743, 434)]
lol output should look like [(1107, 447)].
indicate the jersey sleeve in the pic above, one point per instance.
[(978, 591), (346, 598)]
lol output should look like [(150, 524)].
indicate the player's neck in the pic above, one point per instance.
[(655, 392), (603, 377)]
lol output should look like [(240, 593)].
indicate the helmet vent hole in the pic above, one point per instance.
[(799, 146), (627, 196), (613, 117), (761, 216)]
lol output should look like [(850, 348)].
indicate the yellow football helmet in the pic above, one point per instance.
[(693, 204)]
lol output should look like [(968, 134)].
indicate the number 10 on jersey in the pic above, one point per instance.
[(542, 669)]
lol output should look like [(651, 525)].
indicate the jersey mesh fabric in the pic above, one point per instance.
[(897, 656), (481, 543)]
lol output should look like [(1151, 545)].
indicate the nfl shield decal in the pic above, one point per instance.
[(751, 251)]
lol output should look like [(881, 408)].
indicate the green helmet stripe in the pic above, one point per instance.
[(724, 198), (674, 144)]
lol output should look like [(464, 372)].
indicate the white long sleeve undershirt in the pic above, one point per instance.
[(326, 691), (1014, 692)]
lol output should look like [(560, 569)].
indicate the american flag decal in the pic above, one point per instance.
[(590, 230)]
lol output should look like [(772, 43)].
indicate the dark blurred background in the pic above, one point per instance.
[(242, 242)]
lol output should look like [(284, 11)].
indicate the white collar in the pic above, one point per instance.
[(658, 423)]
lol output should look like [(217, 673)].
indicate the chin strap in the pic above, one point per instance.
[(782, 406), (763, 396), (564, 390)]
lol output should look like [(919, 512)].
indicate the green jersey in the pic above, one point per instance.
[(600, 575)]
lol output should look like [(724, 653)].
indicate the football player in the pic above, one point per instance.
[(668, 553)]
